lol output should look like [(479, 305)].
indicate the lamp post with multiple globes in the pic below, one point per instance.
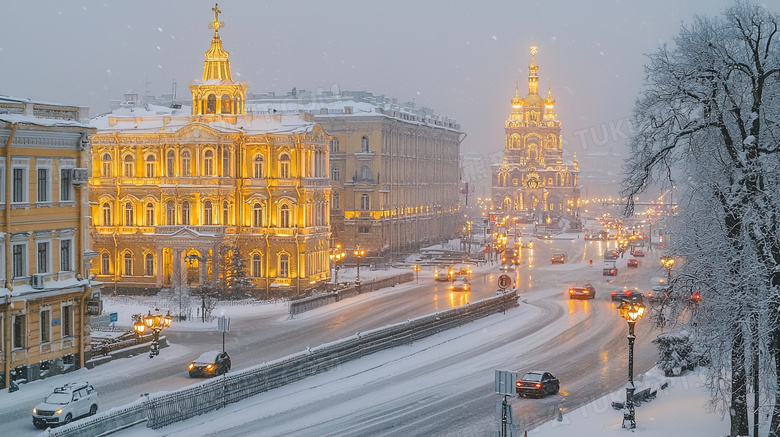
[(336, 255), (155, 322), (632, 312), (359, 253)]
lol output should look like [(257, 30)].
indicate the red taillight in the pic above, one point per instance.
[(696, 296), (538, 385), (613, 293), (519, 383)]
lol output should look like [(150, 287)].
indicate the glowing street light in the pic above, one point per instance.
[(155, 322), (359, 253), (632, 312), (336, 255), (667, 262)]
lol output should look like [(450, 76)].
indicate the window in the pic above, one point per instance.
[(185, 213), (151, 166), (208, 163), (284, 266), (334, 203), (128, 264), (66, 185), (365, 173), (257, 264), (106, 214), (185, 163), (284, 166), (129, 214), (66, 323), (170, 164), (105, 165), (257, 215), (44, 320), (2, 181), (19, 329), (170, 213), (66, 255), (335, 173), (43, 257), (258, 167), (334, 145), (149, 214), (226, 163), (20, 185), (284, 216), (364, 145), (364, 229), (365, 202), (149, 265), (43, 185), (211, 104), (128, 166), (208, 213), (19, 260), (105, 264), (225, 213), (226, 104)]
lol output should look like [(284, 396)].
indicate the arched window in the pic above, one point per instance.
[(258, 167), (185, 163), (334, 145), (170, 213), (226, 104), (226, 169), (365, 173), (225, 213), (257, 266), (257, 215), (334, 203), (284, 216), (170, 164), (128, 264), (105, 168), (211, 104), (185, 213), (129, 214), (107, 214), (208, 213), (128, 167), (284, 266), (284, 166), (365, 202), (335, 173), (208, 163), (105, 264), (149, 265), (149, 214), (151, 166), (364, 145)]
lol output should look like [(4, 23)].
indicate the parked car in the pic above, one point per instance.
[(582, 291), (558, 258), (66, 403), (460, 283), (211, 363), (609, 269), (537, 383), (626, 294), (633, 262)]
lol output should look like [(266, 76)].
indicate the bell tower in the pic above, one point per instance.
[(217, 93)]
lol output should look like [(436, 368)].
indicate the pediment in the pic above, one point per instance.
[(198, 132)]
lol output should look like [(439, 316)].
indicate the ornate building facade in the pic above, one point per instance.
[(45, 290), (533, 179), (394, 169), (170, 189)]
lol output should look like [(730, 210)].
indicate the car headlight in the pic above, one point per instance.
[(192, 366), (58, 411), (209, 367), (35, 411)]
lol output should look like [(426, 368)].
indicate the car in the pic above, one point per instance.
[(65, 404), (632, 263), (460, 283), (609, 269), (443, 274), (211, 363), (537, 383), (611, 254), (582, 291), (639, 252), (559, 258), (506, 267), (626, 294)]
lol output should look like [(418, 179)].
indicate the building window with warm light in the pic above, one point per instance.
[(149, 214), (365, 202), (257, 167), (185, 213), (208, 213), (257, 266), (170, 164), (185, 164), (284, 266), (149, 265), (106, 214), (211, 104), (226, 104), (208, 163), (105, 165), (284, 166), (257, 215), (105, 264), (284, 216), (129, 216), (170, 213), (364, 145), (128, 264), (151, 166), (66, 255), (225, 213), (226, 163), (128, 166)]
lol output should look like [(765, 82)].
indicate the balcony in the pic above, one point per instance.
[(284, 231), (203, 229)]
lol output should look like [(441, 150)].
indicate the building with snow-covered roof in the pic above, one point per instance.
[(175, 189), (394, 167), (45, 291)]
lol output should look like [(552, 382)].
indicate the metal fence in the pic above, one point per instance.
[(313, 302), (113, 420)]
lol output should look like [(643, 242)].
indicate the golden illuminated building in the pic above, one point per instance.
[(45, 291), (171, 188), (533, 179)]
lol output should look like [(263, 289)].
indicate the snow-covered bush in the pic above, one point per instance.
[(674, 351)]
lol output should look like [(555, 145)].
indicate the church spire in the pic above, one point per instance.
[(217, 64), (533, 79)]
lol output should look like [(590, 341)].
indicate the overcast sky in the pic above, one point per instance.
[(461, 58)]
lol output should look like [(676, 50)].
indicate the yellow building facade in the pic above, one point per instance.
[(46, 292), (172, 187)]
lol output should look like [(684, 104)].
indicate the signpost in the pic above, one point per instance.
[(504, 281), (223, 324), (505, 385)]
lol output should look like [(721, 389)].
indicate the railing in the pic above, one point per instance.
[(203, 229), (310, 303)]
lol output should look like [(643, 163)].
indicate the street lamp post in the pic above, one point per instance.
[(336, 255), (155, 322), (668, 262), (190, 258), (359, 253), (417, 272), (632, 312)]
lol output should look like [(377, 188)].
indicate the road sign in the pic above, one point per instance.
[(504, 281), (223, 324), (505, 382), (114, 317)]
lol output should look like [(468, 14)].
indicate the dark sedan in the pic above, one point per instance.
[(212, 363), (538, 383), (626, 294), (582, 291)]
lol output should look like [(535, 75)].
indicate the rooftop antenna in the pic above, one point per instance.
[(146, 93), (173, 90)]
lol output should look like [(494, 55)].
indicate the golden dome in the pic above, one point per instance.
[(517, 101), (549, 101)]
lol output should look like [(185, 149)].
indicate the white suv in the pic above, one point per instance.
[(66, 403)]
